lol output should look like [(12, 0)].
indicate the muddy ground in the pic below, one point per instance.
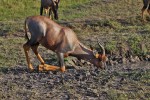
[(121, 82)]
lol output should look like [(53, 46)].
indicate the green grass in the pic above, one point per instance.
[(15, 9), (11, 52), (109, 20)]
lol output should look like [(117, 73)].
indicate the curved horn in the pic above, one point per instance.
[(101, 46)]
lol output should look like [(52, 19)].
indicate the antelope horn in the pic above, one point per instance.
[(91, 47), (102, 47)]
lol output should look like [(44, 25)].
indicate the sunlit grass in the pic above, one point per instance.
[(16, 9)]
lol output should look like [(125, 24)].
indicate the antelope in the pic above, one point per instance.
[(146, 7), (50, 5), (61, 40)]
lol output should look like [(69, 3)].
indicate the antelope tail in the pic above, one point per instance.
[(25, 28)]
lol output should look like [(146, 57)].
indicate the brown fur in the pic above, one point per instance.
[(61, 40), (49, 6)]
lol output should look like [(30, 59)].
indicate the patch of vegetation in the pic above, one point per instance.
[(135, 44), (11, 52), (111, 46)]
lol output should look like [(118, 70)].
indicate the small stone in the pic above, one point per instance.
[(132, 60), (137, 59), (111, 63), (124, 60)]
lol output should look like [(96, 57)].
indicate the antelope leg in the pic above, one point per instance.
[(61, 61), (143, 15), (26, 50), (34, 48), (47, 67)]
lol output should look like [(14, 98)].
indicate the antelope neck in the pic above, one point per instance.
[(82, 52)]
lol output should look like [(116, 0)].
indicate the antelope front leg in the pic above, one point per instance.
[(61, 61), (26, 50)]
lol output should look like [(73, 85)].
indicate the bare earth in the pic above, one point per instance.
[(85, 83)]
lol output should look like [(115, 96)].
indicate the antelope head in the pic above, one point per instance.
[(101, 58)]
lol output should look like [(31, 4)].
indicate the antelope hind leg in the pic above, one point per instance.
[(144, 9), (26, 48), (148, 11), (34, 48), (143, 15)]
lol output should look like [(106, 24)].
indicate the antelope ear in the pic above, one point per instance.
[(91, 47), (95, 53)]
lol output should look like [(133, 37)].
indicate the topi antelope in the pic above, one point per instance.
[(62, 40), (145, 7), (51, 6)]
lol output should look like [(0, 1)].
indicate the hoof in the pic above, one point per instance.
[(63, 69), (31, 70), (41, 68)]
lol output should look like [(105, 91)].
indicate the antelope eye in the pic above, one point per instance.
[(100, 59)]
